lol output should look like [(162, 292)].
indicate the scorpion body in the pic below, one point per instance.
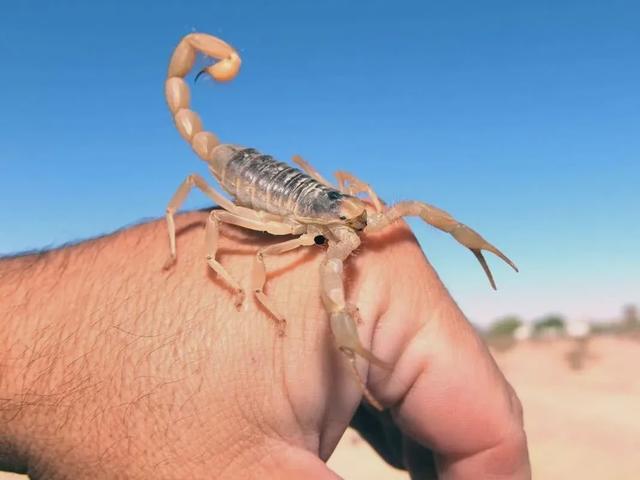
[(262, 183), (276, 198)]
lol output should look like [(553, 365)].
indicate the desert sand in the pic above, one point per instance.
[(581, 408)]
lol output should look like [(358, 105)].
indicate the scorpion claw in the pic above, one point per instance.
[(476, 243), (371, 358), (478, 253), (366, 393), (346, 335), (485, 267), (506, 259), (441, 220)]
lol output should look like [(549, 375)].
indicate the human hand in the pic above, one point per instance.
[(112, 368)]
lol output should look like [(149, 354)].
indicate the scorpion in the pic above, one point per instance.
[(276, 198)]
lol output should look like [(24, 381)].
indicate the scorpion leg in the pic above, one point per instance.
[(312, 172), (212, 233), (258, 276), (356, 186), (342, 323), (259, 273), (177, 200), (268, 225), (443, 221)]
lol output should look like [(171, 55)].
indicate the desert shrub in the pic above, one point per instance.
[(504, 327), (550, 322)]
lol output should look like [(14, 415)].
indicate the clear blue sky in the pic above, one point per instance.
[(520, 118)]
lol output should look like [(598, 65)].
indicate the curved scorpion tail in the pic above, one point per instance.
[(177, 92)]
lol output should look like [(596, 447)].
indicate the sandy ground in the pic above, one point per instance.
[(582, 412), (581, 407)]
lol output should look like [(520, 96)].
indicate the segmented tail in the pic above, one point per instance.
[(177, 92)]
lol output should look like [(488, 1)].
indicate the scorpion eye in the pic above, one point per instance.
[(342, 217), (334, 195)]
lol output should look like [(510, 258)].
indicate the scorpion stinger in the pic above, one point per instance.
[(199, 74)]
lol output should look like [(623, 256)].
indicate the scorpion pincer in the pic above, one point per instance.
[(276, 198)]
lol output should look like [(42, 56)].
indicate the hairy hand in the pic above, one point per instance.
[(113, 368)]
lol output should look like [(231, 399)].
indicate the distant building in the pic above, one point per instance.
[(578, 329), (523, 332)]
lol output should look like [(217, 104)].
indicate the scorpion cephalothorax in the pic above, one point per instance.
[(279, 199)]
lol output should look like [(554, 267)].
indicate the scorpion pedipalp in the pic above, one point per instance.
[(343, 325), (443, 221)]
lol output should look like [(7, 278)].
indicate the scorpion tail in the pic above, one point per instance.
[(225, 69)]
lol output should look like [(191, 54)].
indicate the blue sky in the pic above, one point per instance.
[(520, 118)]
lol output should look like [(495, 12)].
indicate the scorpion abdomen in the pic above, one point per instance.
[(261, 182)]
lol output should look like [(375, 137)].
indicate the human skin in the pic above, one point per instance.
[(112, 368)]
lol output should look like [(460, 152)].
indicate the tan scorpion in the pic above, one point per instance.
[(273, 197)]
